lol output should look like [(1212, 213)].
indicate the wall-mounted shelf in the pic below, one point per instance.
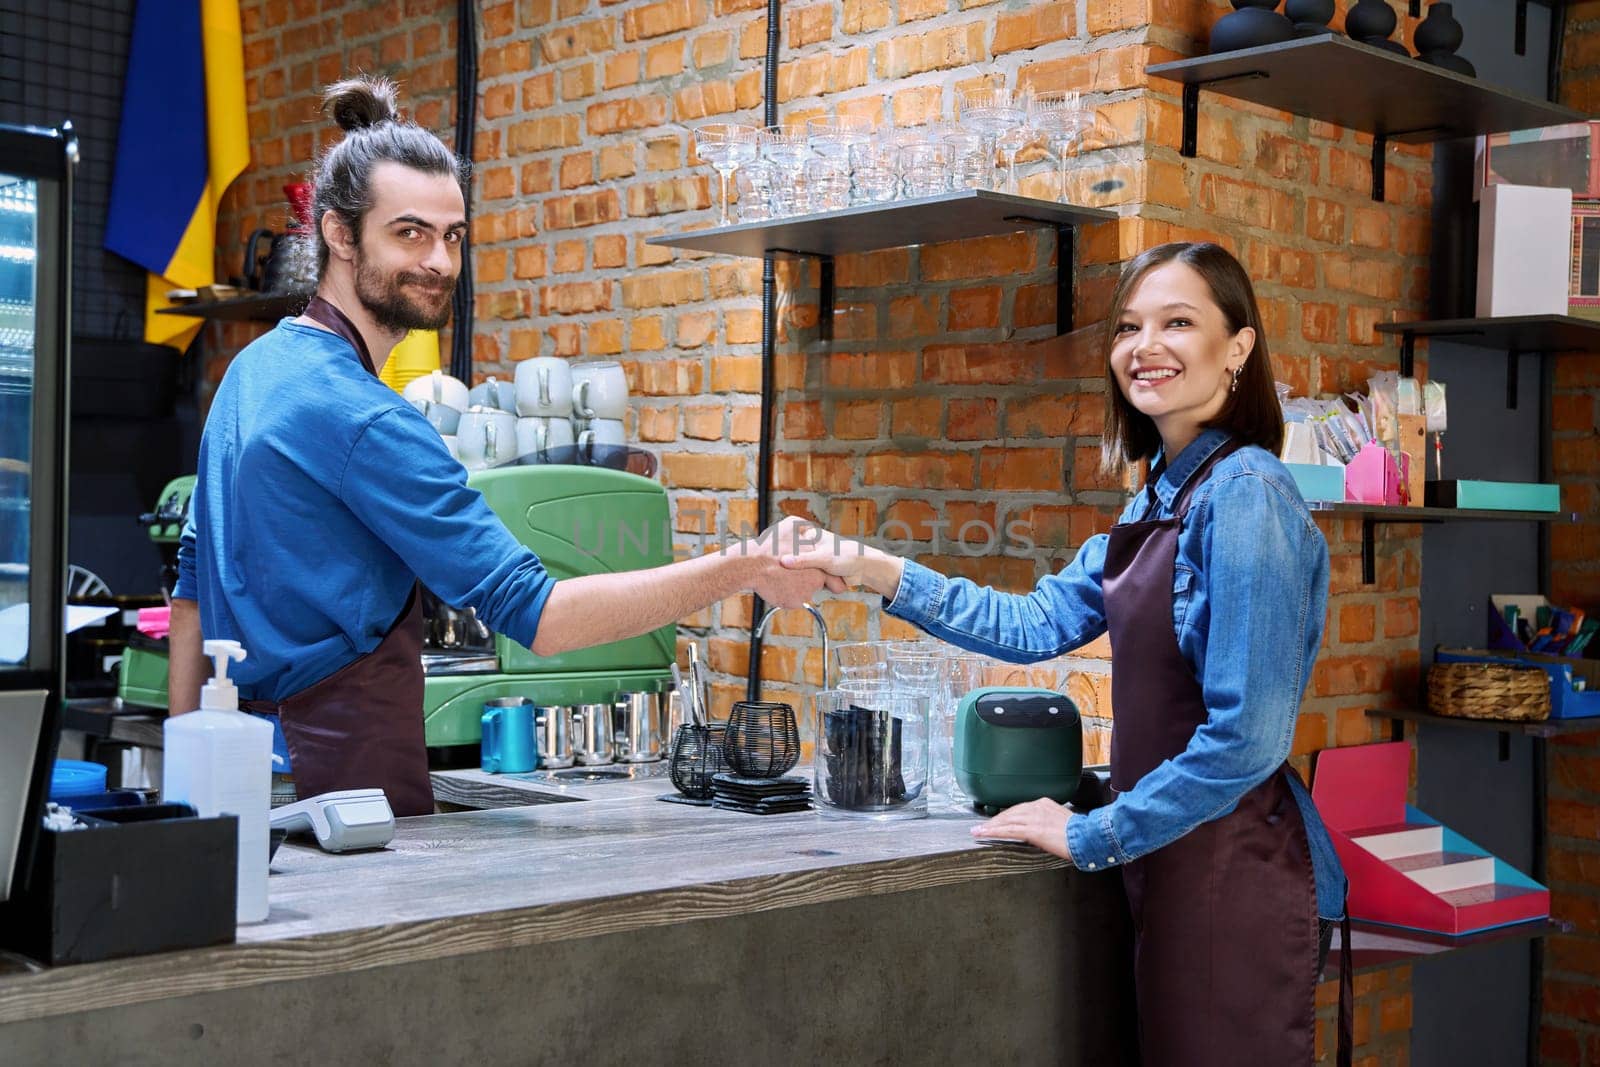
[(1332, 78), (1516, 335), (260, 307), (1544, 728), (1373, 515), (871, 227)]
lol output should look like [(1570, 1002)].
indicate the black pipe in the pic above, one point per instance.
[(466, 125), (769, 337)]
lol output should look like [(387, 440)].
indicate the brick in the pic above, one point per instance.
[(921, 470), (736, 374), (817, 472), (610, 251), (647, 333), (917, 106), (744, 426), (1022, 470), (575, 298), (1371, 227), (914, 316), (857, 420), (712, 49), (582, 209), (578, 82), (664, 60), (702, 99), (660, 425), (703, 423), (974, 309), (980, 364), (490, 266), (631, 113), (1106, 16), (621, 68), (973, 419), (1246, 202), (914, 518), (542, 134), (1401, 617), (695, 329), (659, 19), (663, 288), (499, 101), (528, 262), (1039, 25), (941, 49), (497, 183), (808, 25), (864, 16), (577, 169), (570, 256), (704, 470), (493, 62), (916, 10), (1287, 158), (1104, 70), (802, 420), (603, 337), (669, 377), (1357, 623), (982, 257), (669, 196), (915, 417), (663, 153)]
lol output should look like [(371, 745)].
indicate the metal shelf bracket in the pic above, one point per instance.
[(1191, 108)]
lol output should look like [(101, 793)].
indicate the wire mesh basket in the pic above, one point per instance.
[(763, 739), (697, 756)]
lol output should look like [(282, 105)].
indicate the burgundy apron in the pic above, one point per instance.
[(361, 727), (1226, 937)]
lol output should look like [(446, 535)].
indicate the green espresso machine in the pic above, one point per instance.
[(142, 675), (578, 520)]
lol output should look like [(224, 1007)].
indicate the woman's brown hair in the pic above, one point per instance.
[(1251, 413)]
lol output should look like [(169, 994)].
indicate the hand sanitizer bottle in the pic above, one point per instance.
[(219, 760)]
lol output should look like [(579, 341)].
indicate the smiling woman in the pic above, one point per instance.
[(1187, 352)]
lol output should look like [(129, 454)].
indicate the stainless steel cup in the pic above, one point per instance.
[(593, 726), (638, 727), (554, 727)]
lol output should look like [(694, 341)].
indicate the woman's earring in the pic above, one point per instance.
[(1234, 388)]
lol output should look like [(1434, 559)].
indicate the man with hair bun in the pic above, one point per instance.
[(323, 498)]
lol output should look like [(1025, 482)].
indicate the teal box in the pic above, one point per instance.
[(1494, 496), (1317, 482)]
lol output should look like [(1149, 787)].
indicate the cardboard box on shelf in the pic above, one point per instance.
[(1524, 251)]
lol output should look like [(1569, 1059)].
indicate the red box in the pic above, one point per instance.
[(1406, 869)]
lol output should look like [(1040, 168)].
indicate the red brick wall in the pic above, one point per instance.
[(944, 398), (1571, 1030)]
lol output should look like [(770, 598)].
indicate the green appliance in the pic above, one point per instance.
[(578, 520), (142, 674), (1017, 744)]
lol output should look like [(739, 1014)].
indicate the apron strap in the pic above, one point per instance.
[(1347, 990), (325, 313)]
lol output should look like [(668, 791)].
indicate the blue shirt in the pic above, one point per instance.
[(1249, 595), (322, 496)]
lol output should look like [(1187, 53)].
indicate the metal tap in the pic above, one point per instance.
[(822, 627)]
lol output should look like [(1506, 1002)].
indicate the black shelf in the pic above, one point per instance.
[(1373, 515), (1332, 78), (1378, 945), (1543, 728), (260, 307), (870, 227), (1516, 335)]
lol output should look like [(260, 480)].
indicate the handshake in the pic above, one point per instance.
[(795, 558)]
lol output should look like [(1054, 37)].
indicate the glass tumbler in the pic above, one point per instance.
[(925, 168), (872, 753)]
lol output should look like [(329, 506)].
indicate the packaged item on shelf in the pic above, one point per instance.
[(1405, 867)]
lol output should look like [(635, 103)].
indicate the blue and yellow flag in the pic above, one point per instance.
[(184, 137)]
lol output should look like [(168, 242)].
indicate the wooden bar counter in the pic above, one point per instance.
[(593, 932)]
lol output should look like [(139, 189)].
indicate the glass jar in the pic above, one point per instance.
[(872, 752)]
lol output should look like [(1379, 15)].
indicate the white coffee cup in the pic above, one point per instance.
[(443, 417), (535, 434), (599, 390), (487, 437), (440, 388), (600, 432), (544, 387), (495, 393)]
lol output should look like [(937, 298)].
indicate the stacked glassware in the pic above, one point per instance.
[(827, 163)]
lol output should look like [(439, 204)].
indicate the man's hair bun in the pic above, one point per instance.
[(361, 103)]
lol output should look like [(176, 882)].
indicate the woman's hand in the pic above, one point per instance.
[(1041, 823), (852, 562)]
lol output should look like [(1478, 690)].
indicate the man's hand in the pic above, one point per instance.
[(1041, 823), (851, 563), (773, 583)]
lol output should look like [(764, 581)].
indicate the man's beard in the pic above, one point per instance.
[(385, 298)]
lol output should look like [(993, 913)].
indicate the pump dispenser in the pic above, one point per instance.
[(219, 760)]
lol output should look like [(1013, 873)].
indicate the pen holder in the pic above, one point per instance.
[(1373, 476)]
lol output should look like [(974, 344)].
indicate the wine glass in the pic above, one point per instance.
[(1000, 116), (1060, 115), (727, 146), (832, 138)]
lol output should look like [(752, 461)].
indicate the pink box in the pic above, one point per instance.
[(1373, 476), (1407, 869)]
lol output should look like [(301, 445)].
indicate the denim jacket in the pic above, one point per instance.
[(1249, 597)]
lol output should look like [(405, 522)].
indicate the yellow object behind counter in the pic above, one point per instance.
[(416, 354)]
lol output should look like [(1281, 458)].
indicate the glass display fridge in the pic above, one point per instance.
[(36, 168)]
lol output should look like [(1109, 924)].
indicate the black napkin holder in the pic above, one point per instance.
[(138, 879)]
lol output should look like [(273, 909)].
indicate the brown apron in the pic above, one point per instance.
[(361, 727), (1226, 937)]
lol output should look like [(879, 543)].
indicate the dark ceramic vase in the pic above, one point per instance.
[(1252, 23), (1371, 22), (1310, 17), (1436, 39)]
